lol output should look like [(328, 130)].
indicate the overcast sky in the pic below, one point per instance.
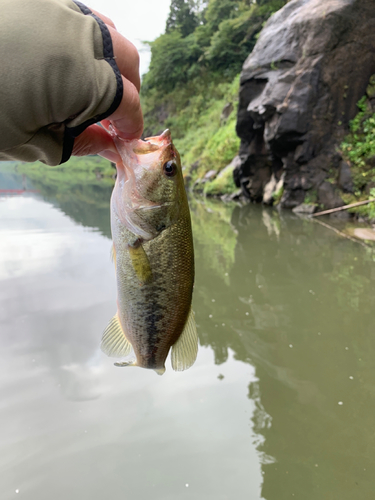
[(137, 20)]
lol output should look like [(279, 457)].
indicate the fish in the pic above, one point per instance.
[(153, 253)]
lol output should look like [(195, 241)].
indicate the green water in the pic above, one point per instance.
[(279, 405)]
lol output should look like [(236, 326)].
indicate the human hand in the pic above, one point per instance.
[(127, 120)]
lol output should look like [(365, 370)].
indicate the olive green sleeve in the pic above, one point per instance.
[(58, 76)]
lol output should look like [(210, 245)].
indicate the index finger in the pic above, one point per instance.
[(128, 119), (127, 57), (126, 54), (104, 18)]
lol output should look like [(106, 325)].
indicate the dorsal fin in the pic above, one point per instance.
[(184, 351), (114, 342)]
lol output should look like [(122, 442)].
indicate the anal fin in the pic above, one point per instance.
[(185, 350), (114, 342)]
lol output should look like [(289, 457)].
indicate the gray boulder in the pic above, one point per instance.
[(299, 88)]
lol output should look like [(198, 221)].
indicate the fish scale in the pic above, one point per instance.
[(160, 307)]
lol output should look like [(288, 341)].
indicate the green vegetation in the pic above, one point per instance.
[(215, 239), (181, 17), (311, 197), (366, 211), (358, 148), (278, 195), (223, 184), (78, 170), (209, 140), (194, 73)]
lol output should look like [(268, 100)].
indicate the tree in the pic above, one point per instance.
[(182, 17), (171, 58), (220, 10)]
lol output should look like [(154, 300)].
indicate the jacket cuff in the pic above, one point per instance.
[(72, 132)]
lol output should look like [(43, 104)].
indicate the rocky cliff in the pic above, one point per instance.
[(299, 89)]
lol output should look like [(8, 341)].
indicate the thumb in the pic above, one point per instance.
[(95, 140)]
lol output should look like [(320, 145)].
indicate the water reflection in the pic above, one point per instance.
[(280, 402), (300, 301), (73, 424), (85, 202)]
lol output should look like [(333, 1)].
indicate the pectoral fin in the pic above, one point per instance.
[(113, 254), (184, 351), (114, 342), (141, 264)]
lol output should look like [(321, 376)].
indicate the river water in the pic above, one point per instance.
[(279, 405)]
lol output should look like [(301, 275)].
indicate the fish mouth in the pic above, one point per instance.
[(161, 140), (138, 155), (152, 144), (138, 152)]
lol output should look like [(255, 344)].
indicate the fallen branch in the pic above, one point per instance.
[(337, 231), (345, 207)]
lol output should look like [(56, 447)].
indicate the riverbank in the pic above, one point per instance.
[(192, 86), (301, 141)]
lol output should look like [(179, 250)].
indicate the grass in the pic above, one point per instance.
[(366, 211), (311, 197), (358, 149), (278, 195), (222, 184), (193, 114)]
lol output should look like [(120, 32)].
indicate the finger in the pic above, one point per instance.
[(106, 124), (127, 120), (94, 140), (127, 57), (105, 19)]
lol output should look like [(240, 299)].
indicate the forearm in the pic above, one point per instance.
[(57, 78)]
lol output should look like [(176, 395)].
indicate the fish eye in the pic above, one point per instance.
[(170, 168)]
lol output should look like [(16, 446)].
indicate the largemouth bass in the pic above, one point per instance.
[(154, 258)]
